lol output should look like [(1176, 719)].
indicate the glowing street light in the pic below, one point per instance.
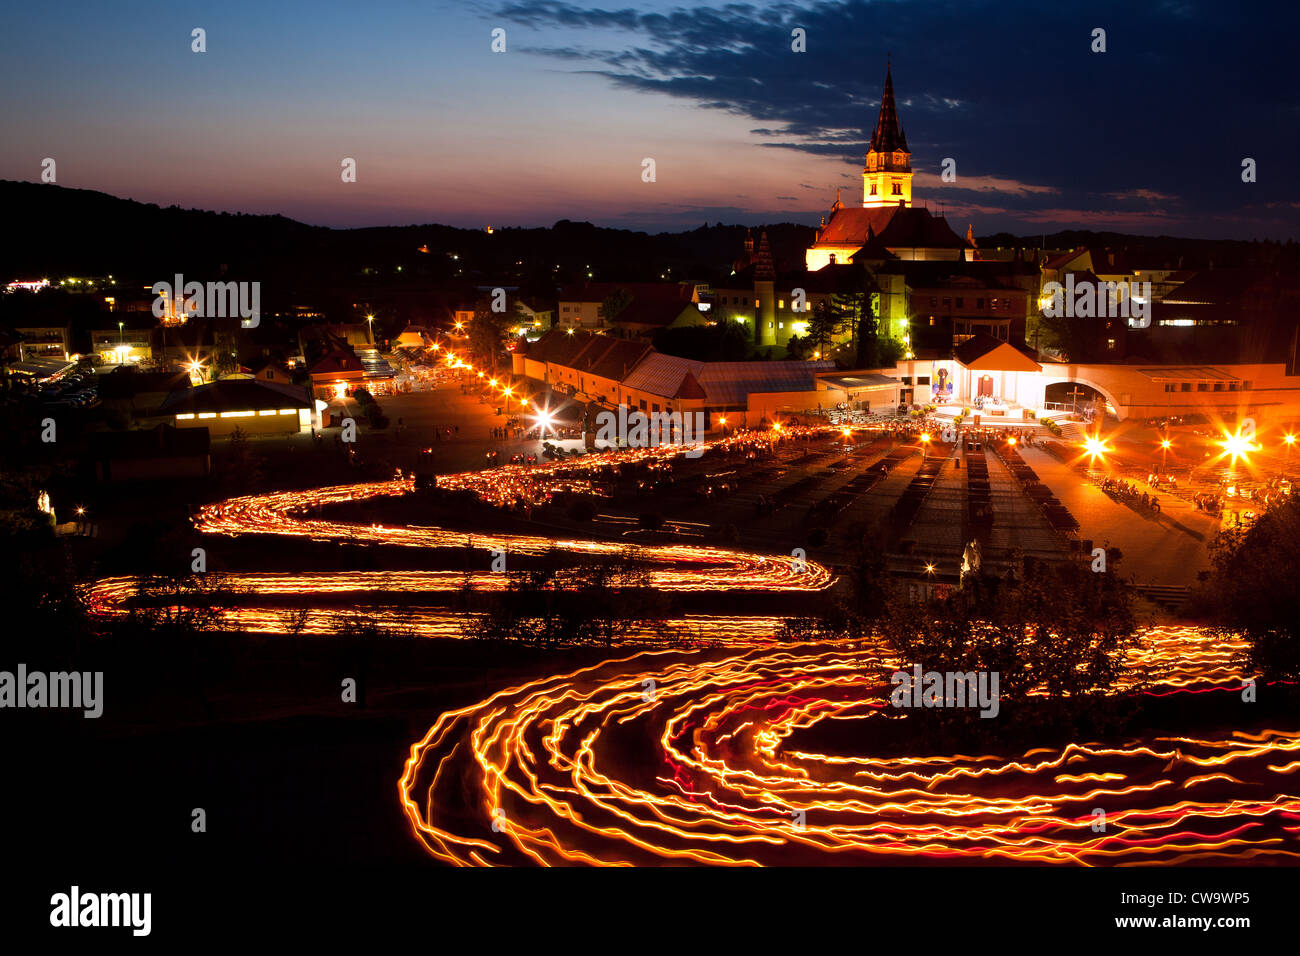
[(929, 569), (1237, 446), (925, 445), (1095, 447), (1165, 445)]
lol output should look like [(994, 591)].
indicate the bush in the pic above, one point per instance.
[(363, 396), (1253, 590)]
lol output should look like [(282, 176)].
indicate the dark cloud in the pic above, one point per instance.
[(1184, 92)]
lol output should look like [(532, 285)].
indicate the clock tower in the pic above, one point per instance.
[(887, 178)]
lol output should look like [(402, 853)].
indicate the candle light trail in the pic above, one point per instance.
[(715, 764)]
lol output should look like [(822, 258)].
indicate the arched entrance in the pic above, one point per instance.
[(1076, 397)]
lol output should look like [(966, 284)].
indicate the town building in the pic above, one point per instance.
[(887, 216), (253, 407)]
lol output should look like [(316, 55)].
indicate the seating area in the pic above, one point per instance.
[(1057, 515), (979, 498), (909, 503)]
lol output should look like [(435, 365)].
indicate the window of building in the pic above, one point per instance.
[(654, 407), (873, 189), (934, 302), (643, 404), (898, 189), (1218, 386), (923, 380), (1202, 386), (932, 320), (1110, 344), (780, 303), (947, 303), (779, 325), (1185, 387), (1171, 386), (1245, 386), (961, 303), (979, 303)]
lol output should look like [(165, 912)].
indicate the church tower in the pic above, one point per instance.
[(887, 178), (765, 294)]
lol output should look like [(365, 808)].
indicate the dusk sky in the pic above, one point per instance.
[(1147, 138)]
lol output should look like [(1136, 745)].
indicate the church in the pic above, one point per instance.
[(887, 225)]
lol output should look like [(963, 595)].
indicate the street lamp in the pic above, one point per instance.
[(1165, 444), (925, 445), (370, 318)]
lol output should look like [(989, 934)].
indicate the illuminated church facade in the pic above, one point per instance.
[(887, 225)]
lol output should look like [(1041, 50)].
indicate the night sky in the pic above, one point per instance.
[(1146, 138)]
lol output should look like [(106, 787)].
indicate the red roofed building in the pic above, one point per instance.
[(887, 222), (337, 373)]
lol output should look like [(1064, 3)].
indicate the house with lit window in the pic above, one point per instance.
[(336, 374)]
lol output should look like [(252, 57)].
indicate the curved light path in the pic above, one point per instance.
[(297, 514), (752, 754), (714, 758)]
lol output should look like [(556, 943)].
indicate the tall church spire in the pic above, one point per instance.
[(888, 136), (887, 176)]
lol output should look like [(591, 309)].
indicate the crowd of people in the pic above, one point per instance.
[(1129, 492)]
